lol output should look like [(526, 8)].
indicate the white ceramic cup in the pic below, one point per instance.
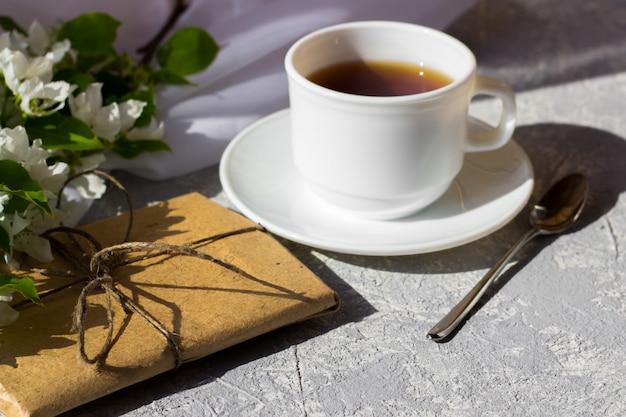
[(387, 157)]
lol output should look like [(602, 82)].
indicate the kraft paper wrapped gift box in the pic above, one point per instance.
[(207, 306)]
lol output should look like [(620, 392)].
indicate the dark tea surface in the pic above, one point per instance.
[(379, 78)]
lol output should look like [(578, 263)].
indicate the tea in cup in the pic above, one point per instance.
[(379, 115)]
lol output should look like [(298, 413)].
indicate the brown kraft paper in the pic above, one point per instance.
[(208, 307)]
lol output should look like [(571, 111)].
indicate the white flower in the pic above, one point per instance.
[(59, 50), (30, 79), (16, 225), (4, 198), (84, 105), (7, 41), (14, 40), (153, 131), (17, 67), (6, 295), (24, 234), (14, 146), (129, 113), (28, 227), (90, 186), (7, 314), (108, 121), (12, 224), (14, 143), (33, 244), (87, 106), (42, 99), (24, 228), (38, 39)]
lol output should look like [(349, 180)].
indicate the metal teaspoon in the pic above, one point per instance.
[(555, 212)]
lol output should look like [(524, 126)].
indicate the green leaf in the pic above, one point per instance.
[(189, 51), (165, 76), (23, 189), (24, 286), (5, 241), (90, 63), (129, 149), (90, 33), (62, 132), (8, 24), (113, 87), (21, 199)]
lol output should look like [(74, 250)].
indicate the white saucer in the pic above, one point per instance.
[(259, 178)]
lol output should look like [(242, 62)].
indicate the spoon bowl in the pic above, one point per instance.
[(560, 206)]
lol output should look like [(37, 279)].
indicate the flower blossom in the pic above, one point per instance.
[(7, 314), (89, 186), (109, 121), (153, 131), (30, 79), (15, 146), (8, 41), (24, 228), (38, 39), (35, 43)]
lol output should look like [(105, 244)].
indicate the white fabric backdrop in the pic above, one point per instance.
[(247, 80)]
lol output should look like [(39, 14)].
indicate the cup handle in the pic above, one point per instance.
[(482, 138)]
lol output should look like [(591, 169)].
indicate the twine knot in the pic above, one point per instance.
[(94, 268)]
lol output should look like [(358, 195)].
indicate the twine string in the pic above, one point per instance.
[(99, 275), (94, 267)]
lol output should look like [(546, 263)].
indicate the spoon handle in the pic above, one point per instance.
[(451, 320)]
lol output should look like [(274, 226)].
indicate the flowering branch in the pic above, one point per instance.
[(67, 100)]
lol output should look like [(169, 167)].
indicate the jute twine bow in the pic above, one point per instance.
[(96, 271)]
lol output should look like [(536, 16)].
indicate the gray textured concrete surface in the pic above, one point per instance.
[(549, 340)]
